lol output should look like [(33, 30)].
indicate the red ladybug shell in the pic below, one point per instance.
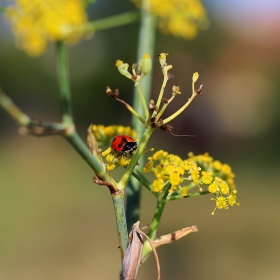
[(123, 143)]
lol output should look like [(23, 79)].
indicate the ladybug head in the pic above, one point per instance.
[(130, 147)]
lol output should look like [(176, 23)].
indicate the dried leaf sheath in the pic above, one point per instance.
[(133, 253)]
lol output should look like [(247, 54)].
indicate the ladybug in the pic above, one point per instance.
[(124, 144)]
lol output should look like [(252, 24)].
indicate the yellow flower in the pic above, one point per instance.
[(159, 155), (179, 17), (148, 167), (37, 22), (175, 178), (232, 198), (184, 191), (207, 177), (217, 165), (213, 187), (158, 185)]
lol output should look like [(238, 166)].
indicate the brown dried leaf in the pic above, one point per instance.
[(174, 236)]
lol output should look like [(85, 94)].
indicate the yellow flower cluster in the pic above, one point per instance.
[(115, 159), (201, 170), (105, 134), (179, 17), (37, 22)]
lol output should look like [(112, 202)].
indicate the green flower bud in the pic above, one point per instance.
[(145, 64), (122, 67)]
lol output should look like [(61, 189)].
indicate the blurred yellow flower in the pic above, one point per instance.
[(181, 18), (37, 22)]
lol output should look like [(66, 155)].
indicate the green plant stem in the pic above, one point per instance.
[(146, 44), (143, 180), (118, 202), (111, 22), (15, 112), (76, 142), (92, 159), (155, 223), (64, 84), (175, 197), (143, 101)]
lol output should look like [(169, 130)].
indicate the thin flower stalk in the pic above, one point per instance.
[(173, 116), (177, 91), (143, 101), (165, 80)]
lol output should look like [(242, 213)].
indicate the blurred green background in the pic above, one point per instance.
[(55, 223)]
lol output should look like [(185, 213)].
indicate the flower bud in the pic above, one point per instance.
[(195, 77), (122, 67), (162, 59), (145, 64)]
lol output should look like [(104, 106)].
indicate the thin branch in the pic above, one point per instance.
[(112, 22)]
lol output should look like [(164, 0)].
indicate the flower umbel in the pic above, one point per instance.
[(37, 22), (179, 177)]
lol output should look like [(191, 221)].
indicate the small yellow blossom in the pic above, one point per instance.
[(148, 167), (207, 177), (159, 155), (213, 188), (110, 166), (226, 169), (224, 187), (217, 165), (124, 161), (195, 173), (184, 191), (106, 152), (110, 157), (232, 198), (158, 185), (175, 178), (37, 22), (221, 203)]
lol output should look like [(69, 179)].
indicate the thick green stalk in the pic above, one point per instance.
[(64, 84), (99, 169), (146, 44), (119, 210)]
